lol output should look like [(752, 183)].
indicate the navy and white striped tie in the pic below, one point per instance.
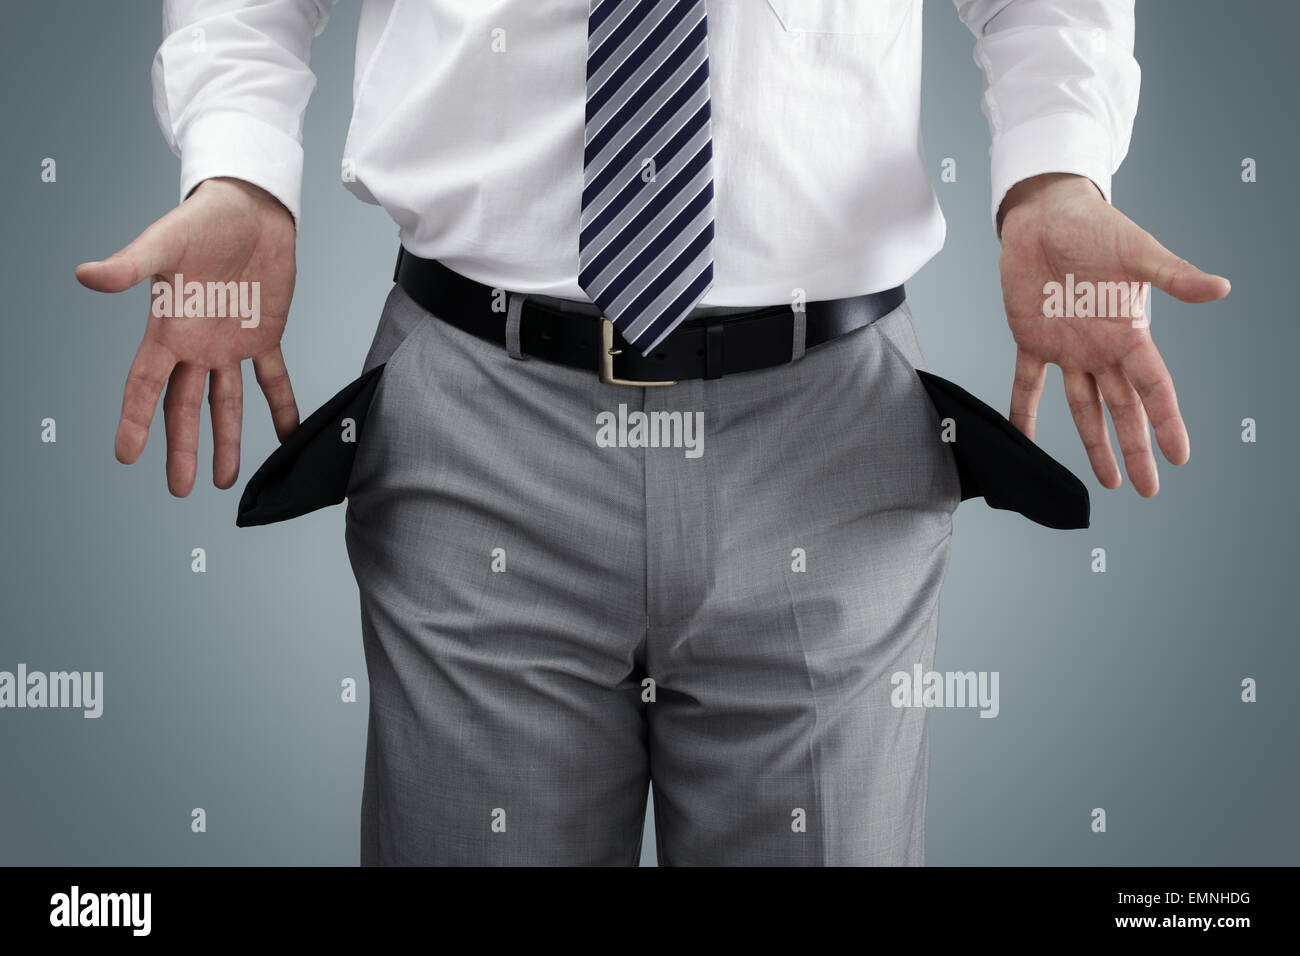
[(645, 252)]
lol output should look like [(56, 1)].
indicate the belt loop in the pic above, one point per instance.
[(714, 356), (514, 309), (800, 333)]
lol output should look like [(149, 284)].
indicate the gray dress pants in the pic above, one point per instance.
[(553, 625)]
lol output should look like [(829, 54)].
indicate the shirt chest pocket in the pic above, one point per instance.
[(841, 17)]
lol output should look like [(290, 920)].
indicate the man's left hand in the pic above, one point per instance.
[(1058, 224)]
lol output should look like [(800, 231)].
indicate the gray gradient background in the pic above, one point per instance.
[(222, 690)]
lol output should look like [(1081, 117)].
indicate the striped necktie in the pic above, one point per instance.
[(645, 251)]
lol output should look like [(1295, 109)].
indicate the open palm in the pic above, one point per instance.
[(227, 231), (1059, 226)]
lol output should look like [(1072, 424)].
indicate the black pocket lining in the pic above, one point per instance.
[(310, 470), (997, 462)]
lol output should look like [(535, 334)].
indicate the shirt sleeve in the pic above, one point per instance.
[(1060, 86), (230, 86)]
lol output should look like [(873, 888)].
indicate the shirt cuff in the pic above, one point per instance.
[(1058, 143), (240, 146)]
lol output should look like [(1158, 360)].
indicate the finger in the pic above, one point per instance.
[(144, 383), (1131, 427), (274, 379), (1026, 390), (226, 400), (1177, 277), (1085, 405), (181, 409), (1155, 386), (154, 251)]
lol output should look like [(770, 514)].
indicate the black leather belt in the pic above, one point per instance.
[(704, 347)]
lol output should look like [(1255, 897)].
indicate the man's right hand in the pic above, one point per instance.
[(227, 230)]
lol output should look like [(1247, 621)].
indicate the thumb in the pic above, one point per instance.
[(154, 251), (1174, 276)]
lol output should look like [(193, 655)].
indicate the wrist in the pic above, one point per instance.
[(1043, 188), (244, 192)]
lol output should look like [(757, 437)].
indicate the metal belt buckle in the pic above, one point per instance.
[(607, 353)]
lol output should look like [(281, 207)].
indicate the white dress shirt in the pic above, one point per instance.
[(467, 125)]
